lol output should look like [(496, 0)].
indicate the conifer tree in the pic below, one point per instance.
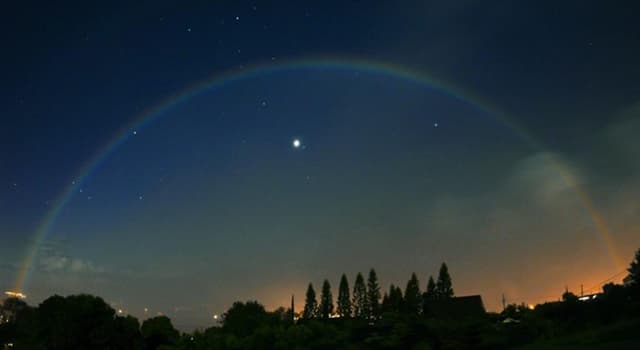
[(359, 297), (373, 295), (344, 298), (310, 303), (431, 292), (394, 299), (634, 270), (384, 305), (412, 296), (444, 287), (326, 300)]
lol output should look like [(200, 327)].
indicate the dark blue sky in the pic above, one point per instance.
[(211, 203)]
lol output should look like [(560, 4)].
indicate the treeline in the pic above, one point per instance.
[(366, 302), (80, 322), (399, 320)]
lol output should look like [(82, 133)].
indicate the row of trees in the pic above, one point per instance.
[(80, 322), (367, 303), (85, 322)]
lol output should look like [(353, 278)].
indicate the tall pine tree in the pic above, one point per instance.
[(429, 295), (412, 296), (385, 306), (326, 300), (373, 295), (634, 270), (344, 298), (310, 303), (431, 292), (444, 287), (394, 299), (359, 297)]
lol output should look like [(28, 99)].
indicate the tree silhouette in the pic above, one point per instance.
[(569, 297), (73, 322), (359, 297), (634, 270), (344, 298), (444, 287), (243, 319), (126, 333), (373, 295), (392, 302), (431, 292), (412, 296), (326, 300), (158, 331), (384, 305), (310, 303)]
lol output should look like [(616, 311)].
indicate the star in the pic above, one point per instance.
[(139, 197), (237, 18), (263, 103), (296, 143), (435, 125), (189, 29), (135, 132)]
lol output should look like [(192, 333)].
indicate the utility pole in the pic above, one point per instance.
[(581, 290), (293, 309)]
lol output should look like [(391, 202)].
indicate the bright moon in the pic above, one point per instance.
[(297, 143)]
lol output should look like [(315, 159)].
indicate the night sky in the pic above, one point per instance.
[(498, 136)]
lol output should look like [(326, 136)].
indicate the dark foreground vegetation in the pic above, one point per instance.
[(362, 319)]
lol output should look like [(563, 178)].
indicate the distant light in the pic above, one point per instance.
[(215, 317), (146, 310), (15, 295), (119, 311), (135, 132), (531, 307), (296, 143), (435, 125)]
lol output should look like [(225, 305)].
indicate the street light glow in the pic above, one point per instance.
[(15, 295)]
